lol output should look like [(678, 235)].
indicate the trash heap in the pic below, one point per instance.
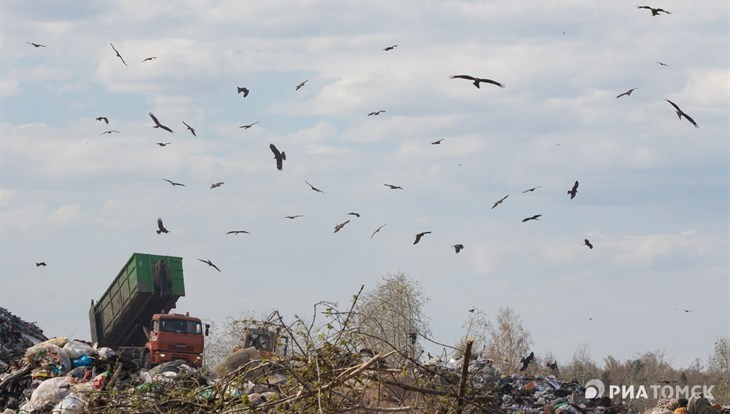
[(16, 335)]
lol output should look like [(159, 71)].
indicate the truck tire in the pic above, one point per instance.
[(146, 360)]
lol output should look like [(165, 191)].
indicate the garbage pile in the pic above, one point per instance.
[(16, 335)]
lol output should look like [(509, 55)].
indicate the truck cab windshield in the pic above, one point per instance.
[(177, 325)]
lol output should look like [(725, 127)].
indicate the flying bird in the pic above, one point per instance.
[(354, 214), (457, 248), (249, 125), (279, 156), (313, 187), (210, 264), (437, 142), (377, 231), (237, 232), (35, 44), (300, 85), (526, 361), (573, 191), (110, 131), (587, 243), (161, 227), (681, 114), (393, 187), (477, 81), (535, 217), (163, 144), (174, 184), (662, 64), (684, 310), (191, 129), (158, 124), (389, 48), (103, 118), (498, 202), (245, 91), (339, 227), (119, 55), (627, 93), (419, 235), (376, 112), (531, 189), (293, 217), (654, 11), (472, 310), (148, 59), (553, 366), (216, 185), (39, 264)]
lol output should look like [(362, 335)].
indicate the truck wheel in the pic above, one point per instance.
[(146, 359)]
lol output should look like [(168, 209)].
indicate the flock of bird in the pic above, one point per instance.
[(280, 155)]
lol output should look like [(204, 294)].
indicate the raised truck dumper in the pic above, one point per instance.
[(133, 315)]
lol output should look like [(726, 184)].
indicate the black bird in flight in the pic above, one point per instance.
[(654, 11), (279, 156), (681, 114), (662, 64), (393, 187), (498, 202), (163, 144), (148, 59), (419, 235), (313, 187), (300, 85), (437, 142), (472, 310), (587, 243), (209, 263), (161, 227), (457, 248), (249, 125), (526, 361), (389, 48), (531, 189), (684, 310), (158, 124), (339, 227), (174, 184), (627, 93), (39, 264), (191, 129), (293, 217), (535, 217), (377, 231), (376, 112), (477, 81), (353, 214), (35, 44), (245, 91), (573, 191), (553, 366), (110, 131), (237, 232), (216, 185), (103, 118), (119, 55)]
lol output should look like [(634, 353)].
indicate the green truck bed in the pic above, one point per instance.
[(147, 284)]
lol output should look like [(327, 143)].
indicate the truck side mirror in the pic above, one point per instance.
[(207, 329)]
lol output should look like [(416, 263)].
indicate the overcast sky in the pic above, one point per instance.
[(653, 196)]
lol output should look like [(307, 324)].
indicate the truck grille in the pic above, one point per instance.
[(180, 348)]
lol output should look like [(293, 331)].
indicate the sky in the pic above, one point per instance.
[(653, 198)]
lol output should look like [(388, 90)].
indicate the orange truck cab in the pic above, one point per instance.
[(174, 336)]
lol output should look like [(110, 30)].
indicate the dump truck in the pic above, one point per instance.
[(133, 315)]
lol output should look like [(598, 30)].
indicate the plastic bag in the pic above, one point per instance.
[(105, 353), (48, 393), (77, 349), (84, 361), (70, 404), (50, 357)]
